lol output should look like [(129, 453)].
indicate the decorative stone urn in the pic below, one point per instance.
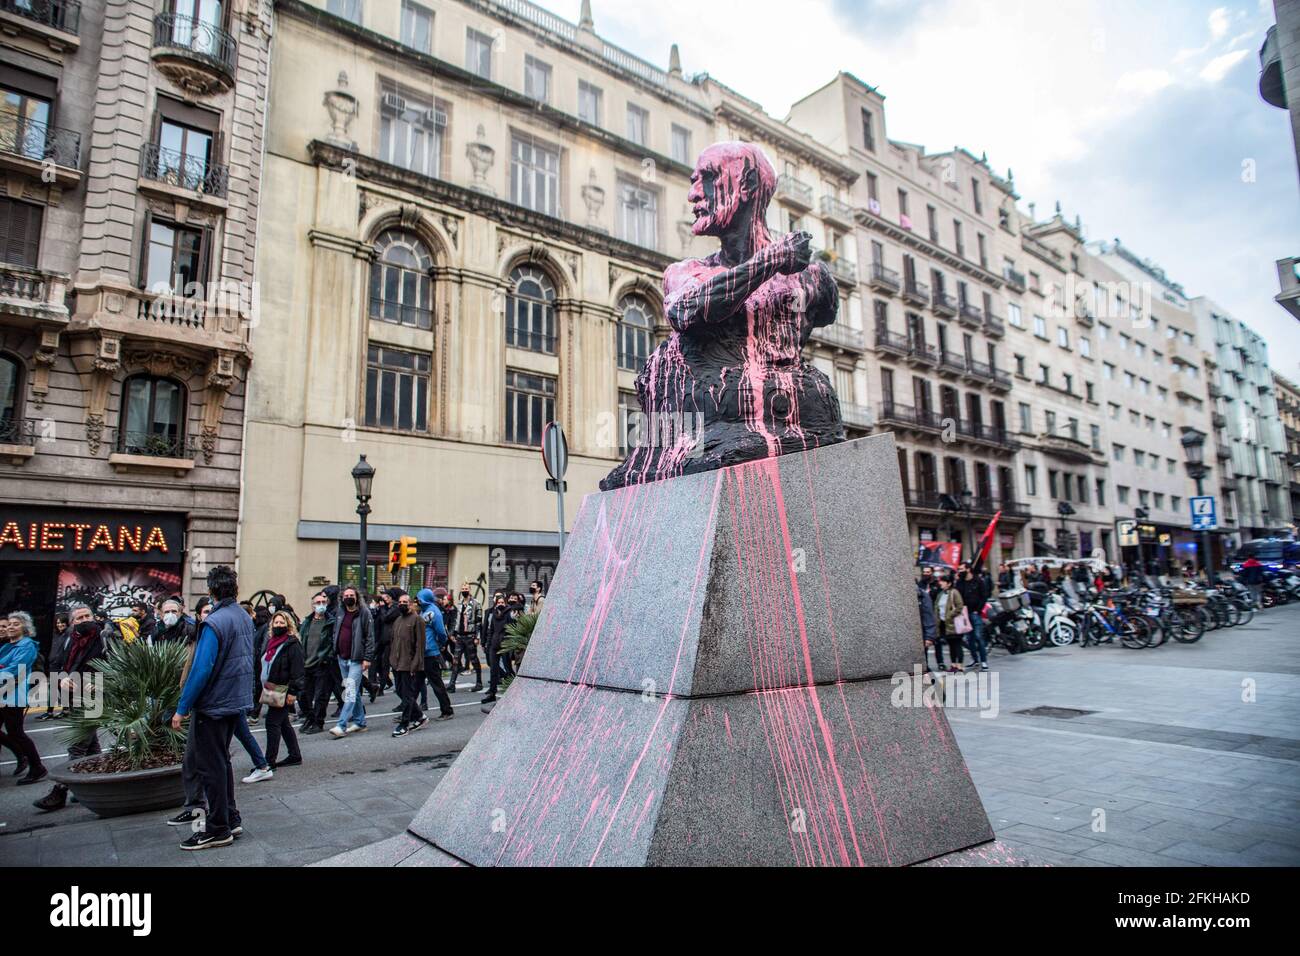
[(481, 157), (342, 108)]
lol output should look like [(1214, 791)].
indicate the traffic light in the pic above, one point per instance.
[(401, 553)]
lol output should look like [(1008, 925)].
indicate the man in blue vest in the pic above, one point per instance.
[(217, 692)]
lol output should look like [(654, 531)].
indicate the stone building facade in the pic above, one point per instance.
[(130, 152)]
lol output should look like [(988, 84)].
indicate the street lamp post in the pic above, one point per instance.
[(1193, 442), (1140, 515), (966, 506), (1064, 509), (363, 476)]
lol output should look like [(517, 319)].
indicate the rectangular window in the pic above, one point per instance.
[(530, 404), (1020, 365), (535, 176), (174, 259), (1013, 315), (958, 242), (1101, 492), (982, 244), (1118, 452), (902, 203), (1040, 327), (1123, 494), (397, 389), (1175, 503), (681, 144), (873, 185), (20, 232), (417, 27), (411, 133), (1031, 481), (932, 222), (1139, 457), (638, 124), (478, 53), (1045, 374), (1049, 422), (537, 79), (1085, 346), (590, 103), (629, 420), (1052, 484), (1096, 437), (868, 131), (638, 214), (1107, 371), (1026, 419), (975, 196), (1063, 337), (347, 9)]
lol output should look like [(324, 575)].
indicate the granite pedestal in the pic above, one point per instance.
[(710, 684)]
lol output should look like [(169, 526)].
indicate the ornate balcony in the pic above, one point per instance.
[(33, 294), (943, 304), (840, 336), (857, 416), (57, 22), (193, 54), (998, 438), (892, 343), (178, 170), (972, 315), (1014, 279), (794, 193), (845, 272), (905, 416), (29, 147), (916, 292), (993, 325), (882, 279), (952, 362), (919, 353), (1067, 448), (836, 211)]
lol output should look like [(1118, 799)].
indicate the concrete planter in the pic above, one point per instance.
[(125, 792)]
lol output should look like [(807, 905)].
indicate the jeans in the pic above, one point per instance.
[(212, 758), (979, 648), (249, 741), (354, 708), (191, 779), (433, 674)]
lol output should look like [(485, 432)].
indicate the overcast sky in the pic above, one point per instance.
[(1143, 117)]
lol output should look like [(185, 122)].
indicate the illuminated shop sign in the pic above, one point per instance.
[(67, 534)]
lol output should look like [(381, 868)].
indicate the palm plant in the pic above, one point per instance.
[(516, 641), (141, 690)]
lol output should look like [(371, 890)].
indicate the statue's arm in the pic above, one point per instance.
[(825, 296), (690, 300)]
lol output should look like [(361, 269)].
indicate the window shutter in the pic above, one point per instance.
[(143, 277), (22, 234)]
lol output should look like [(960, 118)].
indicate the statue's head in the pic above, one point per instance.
[(730, 188)]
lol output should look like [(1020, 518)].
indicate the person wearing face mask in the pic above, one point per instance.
[(354, 644), (174, 625), (321, 671), (499, 617), (17, 658), (85, 647), (281, 667), (463, 653), (406, 654)]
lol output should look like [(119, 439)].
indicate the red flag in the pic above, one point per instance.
[(986, 542)]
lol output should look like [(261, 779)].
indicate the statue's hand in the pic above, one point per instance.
[(793, 253)]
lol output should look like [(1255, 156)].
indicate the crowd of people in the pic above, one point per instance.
[(246, 664)]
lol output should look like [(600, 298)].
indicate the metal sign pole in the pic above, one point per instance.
[(559, 500)]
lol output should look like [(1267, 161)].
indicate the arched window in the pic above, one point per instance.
[(11, 396), (530, 311), (153, 417), (401, 290), (635, 331)]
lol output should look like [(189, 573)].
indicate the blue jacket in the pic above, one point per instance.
[(16, 657), (435, 629), (220, 682)]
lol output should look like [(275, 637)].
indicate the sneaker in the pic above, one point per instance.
[(184, 818), (236, 832), (984, 666), (419, 723), (400, 730), (357, 729), (445, 716), (254, 721), (206, 841), (260, 774), (288, 762), (337, 732)]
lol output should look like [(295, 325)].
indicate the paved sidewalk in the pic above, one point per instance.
[(1184, 771), (1174, 768)]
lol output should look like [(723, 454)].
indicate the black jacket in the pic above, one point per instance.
[(182, 633), (287, 668), (973, 593)]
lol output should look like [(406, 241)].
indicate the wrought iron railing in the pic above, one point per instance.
[(916, 291), (39, 141), (1014, 279), (836, 209), (943, 303), (907, 415), (857, 416), (885, 278), (841, 335), (994, 325), (17, 431), (972, 314), (196, 38), (787, 187), (841, 268), (888, 341), (399, 313), (152, 444), (952, 361), (175, 168), (62, 15), (921, 352), (532, 341)]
